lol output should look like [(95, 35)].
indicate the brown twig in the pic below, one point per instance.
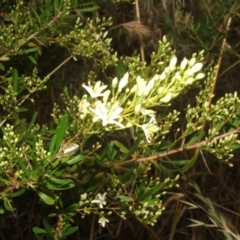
[(178, 150)]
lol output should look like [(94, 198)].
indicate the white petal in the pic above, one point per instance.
[(117, 123), (116, 113), (89, 89)]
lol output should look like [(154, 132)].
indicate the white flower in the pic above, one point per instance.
[(100, 199), (102, 221), (83, 196), (149, 129), (150, 113), (107, 116), (96, 91)]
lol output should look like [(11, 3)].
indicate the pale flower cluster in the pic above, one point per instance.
[(133, 106)]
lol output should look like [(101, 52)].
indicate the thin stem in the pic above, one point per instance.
[(139, 21), (178, 150)]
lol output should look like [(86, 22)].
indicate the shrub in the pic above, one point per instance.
[(116, 151)]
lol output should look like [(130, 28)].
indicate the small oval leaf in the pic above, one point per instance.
[(48, 200)]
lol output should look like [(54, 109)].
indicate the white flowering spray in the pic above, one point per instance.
[(123, 104)]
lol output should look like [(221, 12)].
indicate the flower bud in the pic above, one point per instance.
[(167, 98), (137, 109), (192, 61), (197, 67), (189, 81), (114, 82), (183, 64), (200, 76), (149, 87), (123, 82), (106, 95), (172, 63)]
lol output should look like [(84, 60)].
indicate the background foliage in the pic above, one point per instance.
[(119, 119)]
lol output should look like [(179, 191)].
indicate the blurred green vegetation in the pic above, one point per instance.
[(156, 165)]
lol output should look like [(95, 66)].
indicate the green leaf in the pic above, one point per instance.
[(32, 59), (47, 226), (76, 159), (48, 200), (58, 137), (89, 6), (23, 165), (111, 151), (196, 138), (59, 161), (21, 85), (6, 182), (29, 50), (7, 205), (36, 15), (2, 67), (2, 211), (36, 173), (152, 191), (60, 187), (190, 163), (125, 198), (167, 173), (60, 181), (59, 184), (17, 193), (71, 209), (61, 129), (177, 162), (15, 79), (86, 177), (152, 202), (122, 148), (69, 231), (52, 145), (31, 123), (39, 230)]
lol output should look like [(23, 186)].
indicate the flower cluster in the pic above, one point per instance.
[(118, 109)]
